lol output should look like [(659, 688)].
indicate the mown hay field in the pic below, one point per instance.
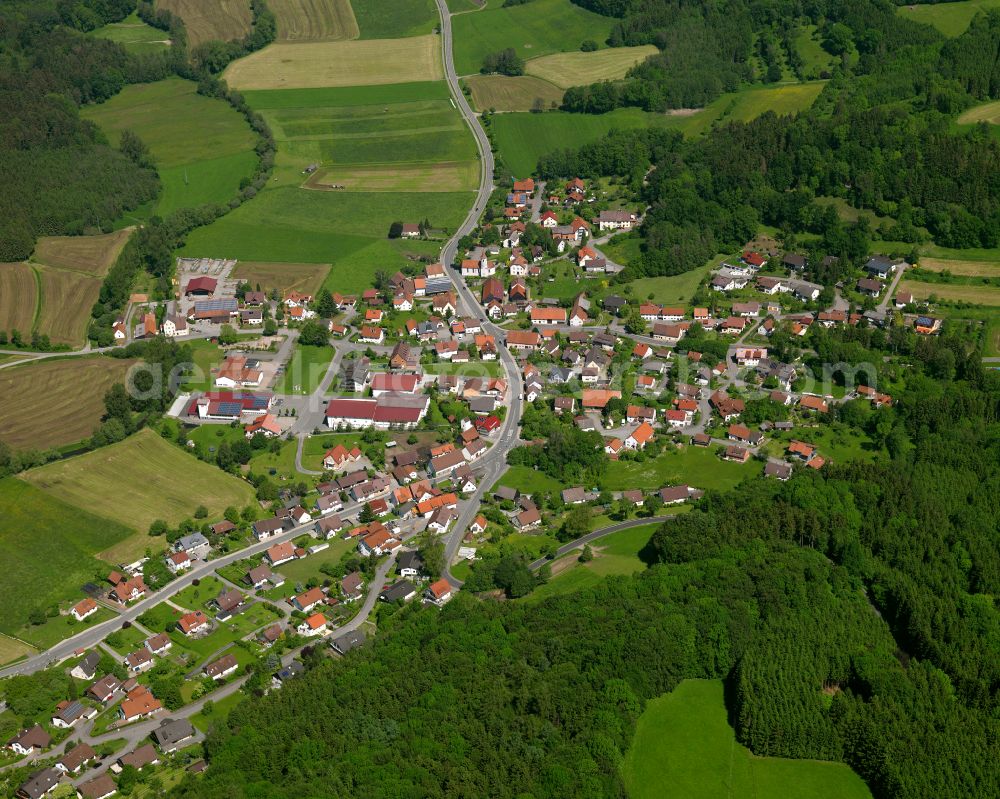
[(987, 112), (960, 267), (976, 295), (218, 19), (504, 93), (579, 68), (306, 278), (55, 402), (381, 19), (18, 298), (67, 299), (343, 63), (139, 480), (92, 255), (314, 20)]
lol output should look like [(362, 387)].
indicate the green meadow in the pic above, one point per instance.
[(615, 554), (522, 138), (532, 29), (133, 34), (684, 746), (699, 467), (383, 142), (50, 550), (203, 148), (378, 19), (952, 19)]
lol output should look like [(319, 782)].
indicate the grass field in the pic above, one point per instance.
[(532, 29), (675, 288), (696, 466), (12, 649), (164, 482), (528, 481), (579, 68), (952, 19), (133, 34), (616, 554), (305, 370), (317, 227), (306, 278), (684, 746), (92, 255), (441, 176), (18, 298), (52, 403), (344, 63), (960, 267), (503, 93), (379, 19), (49, 547), (987, 112), (975, 295), (220, 19), (202, 146), (314, 20), (814, 57), (523, 138), (354, 134)]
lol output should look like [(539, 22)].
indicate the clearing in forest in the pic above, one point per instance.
[(684, 746), (579, 68), (987, 112)]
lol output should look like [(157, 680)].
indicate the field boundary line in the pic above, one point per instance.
[(38, 296)]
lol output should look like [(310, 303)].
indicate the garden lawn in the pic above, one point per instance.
[(528, 481), (302, 569), (206, 356), (532, 29), (684, 746), (196, 597), (304, 370), (50, 550), (203, 147), (222, 634), (836, 442), (695, 466), (164, 482)]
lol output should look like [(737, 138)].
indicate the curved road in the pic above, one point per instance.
[(565, 549), (494, 462)]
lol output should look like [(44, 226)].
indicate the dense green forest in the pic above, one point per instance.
[(883, 141), (850, 612)]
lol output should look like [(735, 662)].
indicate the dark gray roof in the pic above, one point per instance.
[(39, 783), (398, 590), (348, 641), (171, 731)]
